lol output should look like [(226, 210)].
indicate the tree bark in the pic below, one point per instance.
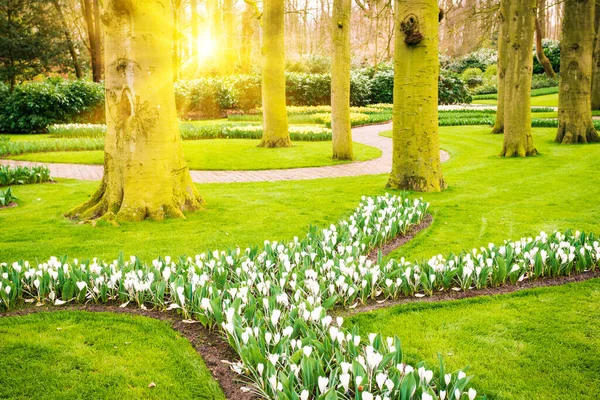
[(275, 120), (68, 39), (248, 20), (596, 64), (502, 59), (517, 86), (574, 98), (176, 40), (145, 173), (194, 26), (539, 35), (96, 63), (340, 81), (416, 149), (97, 49)]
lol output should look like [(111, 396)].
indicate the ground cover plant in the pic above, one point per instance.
[(241, 155), (98, 355), (6, 197), (543, 341), (22, 175)]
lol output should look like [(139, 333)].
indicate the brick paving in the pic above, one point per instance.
[(368, 135)]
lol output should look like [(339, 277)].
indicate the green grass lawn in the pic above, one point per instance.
[(228, 154), (535, 344), (549, 100), (82, 355)]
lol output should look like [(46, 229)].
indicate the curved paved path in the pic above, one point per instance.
[(368, 135)]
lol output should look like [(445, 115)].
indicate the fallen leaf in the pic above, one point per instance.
[(151, 385)]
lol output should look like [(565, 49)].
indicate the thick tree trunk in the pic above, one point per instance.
[(68, 39), (502, 58), (145, 173), (275, 120), (517, 86), (97, 48), (230, 60), (416, 148), (596, 65), (340, 81), (574, 97)]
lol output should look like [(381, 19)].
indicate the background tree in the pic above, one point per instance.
[(596, 64), (275, 119), (540, 31), (574, 99), (416, 148), (91, 15), (340, 81), (69, 41), (145, 173), (517, 81)]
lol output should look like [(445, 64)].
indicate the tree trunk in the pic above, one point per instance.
[(502, 59), (340, 81), (517, 85), (416, 147), (248, 20), (574, 98), (596, 65), (539, 35), (97, 49), (176, 40), (145, 173), (96, 63), (214, 15), (70, 45), (194, 26), (275, 120), (230, 59)]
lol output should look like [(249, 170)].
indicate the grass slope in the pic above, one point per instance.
[(536, 344), (82, 355), (549, 100), (228, 154)]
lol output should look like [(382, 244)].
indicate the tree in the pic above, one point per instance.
[(68, 39), (275, 120), (596, 64), (575, 123), (539, 35), (517, 81), (502, 58), (230, 53), (91, 15), (416, 148), (145, 173), (340, 81)]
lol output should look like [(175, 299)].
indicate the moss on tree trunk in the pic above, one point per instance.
[(416, 149), (574, 97), (340, 81), (596, 64), (145, 172), (275, 120), (502, 54), (517, 82)]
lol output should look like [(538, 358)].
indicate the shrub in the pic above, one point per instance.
[(481, 59), (246, 91), (22, 175), (485, 89), (452, 89), (307, 89), (552, 51), (543, 81), (382, 86), (32, 106), (203, 98), (472, 77), (360, 89), (317, 64)]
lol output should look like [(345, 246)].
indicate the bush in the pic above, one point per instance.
[(203, 98), (552, 51), (31, 107), (452, 89), (481, 59), (543, 81), (382, 87), (485, 89), (360, 89), (473, 77), (246, 91), (307, 89)]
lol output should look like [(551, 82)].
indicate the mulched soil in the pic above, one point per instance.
[(10, 205), (214, 349)]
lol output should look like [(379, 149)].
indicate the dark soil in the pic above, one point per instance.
[(10, 205), (398, 241)]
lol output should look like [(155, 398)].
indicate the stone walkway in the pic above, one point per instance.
[(368, 135)]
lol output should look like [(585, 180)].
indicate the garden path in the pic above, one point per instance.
[(368, 135)]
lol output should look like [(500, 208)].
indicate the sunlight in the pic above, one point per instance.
[(206, 47)]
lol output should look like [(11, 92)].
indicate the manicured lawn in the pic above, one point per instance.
[(81, 355), (549, 100), (228, 154), (535, 344)]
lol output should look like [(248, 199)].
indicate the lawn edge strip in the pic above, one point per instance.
[(442, 297)]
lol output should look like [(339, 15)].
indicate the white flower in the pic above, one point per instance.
[(304, 395), (275, 317), (426, 396), (307, 350), (472, 394), (367, 396), (260, 368), (81, 285), (442, 395), (323, 382), (345, 381), (380, 379)]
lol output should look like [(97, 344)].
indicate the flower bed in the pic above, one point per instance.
[(23, 175), (272, 303)]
